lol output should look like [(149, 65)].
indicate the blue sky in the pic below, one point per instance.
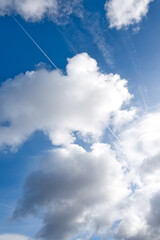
[(74, 141)]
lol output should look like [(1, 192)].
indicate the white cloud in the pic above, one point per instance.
[(123, 117), (33, 10), (141, 139), (129, 227), (28, 9), (73, 190), (80, 184), (85, 192), (141, 213), (122, 13), (80, 192), (13, 237), (5, 7), (84, 100)]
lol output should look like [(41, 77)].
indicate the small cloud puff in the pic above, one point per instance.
[(122, 13)]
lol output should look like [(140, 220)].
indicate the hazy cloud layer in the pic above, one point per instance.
[(122, 13), (13, 237), (83, 100)]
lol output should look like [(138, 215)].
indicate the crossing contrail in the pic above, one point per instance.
[(25, 31)]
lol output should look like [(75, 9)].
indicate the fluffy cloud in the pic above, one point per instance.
[(74, 191), (141, 139), (33, 10), (79, 192), (140, 215), (82, 101), (122, 13), (13, 236), (28, 9), (123, 117)]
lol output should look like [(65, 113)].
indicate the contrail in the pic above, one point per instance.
[(113, 134), (143, 98), (6, 206), (25, 31)]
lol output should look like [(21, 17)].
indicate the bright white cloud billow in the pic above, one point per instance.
[(84, 101), (122, 13), (80, 192), (33, 10)]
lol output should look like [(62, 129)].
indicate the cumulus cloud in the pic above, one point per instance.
[(78, 192), (141, 217), (13, 236), (82, 101), (122, 13), (74, 191), (33, 10), (140, 214)]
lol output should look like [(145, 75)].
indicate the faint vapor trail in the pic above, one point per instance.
[(25, 31), (113, 134), (141, 91), (6, 206)]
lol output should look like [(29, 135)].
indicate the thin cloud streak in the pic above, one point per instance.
[(25, 31), (6, 206), (113, 134)]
